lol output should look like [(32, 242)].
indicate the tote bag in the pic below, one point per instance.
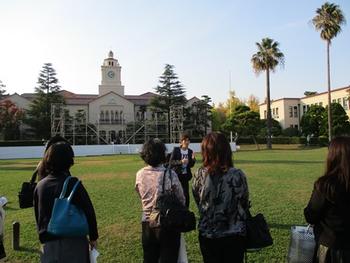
[(302, 245), (67, 220)]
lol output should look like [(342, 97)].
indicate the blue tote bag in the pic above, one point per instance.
[(67, 220)]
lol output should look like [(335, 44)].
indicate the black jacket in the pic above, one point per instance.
[(331, 219), (176, 164), (45, 193)]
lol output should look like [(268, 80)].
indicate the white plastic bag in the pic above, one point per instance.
[(93, 255), (182, 251), (302, 245)]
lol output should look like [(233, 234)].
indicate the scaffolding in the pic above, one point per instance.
[(176, 123), (78, 130)]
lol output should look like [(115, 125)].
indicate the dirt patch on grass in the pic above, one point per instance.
[(118, 175)]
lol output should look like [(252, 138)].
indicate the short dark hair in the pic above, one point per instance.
[(53, 140), (58, 158), (216, 152), (184, 136), (153, 152)]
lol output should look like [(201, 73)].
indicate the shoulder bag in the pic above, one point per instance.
[(25, 196), (67, 220), (169, 212), (258, 232)]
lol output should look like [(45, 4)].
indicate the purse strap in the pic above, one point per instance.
[(64, 188)]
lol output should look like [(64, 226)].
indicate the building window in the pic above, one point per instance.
[(334, 101), (102, 116), (107, 116), (296, 126), (116, 115), (304, 109), (339, 101), (290, 111), (265, 116), (273, 111), (295, 112), (277, 112), (291, 126), (345, 103)]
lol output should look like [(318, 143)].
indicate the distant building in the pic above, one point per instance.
[(288, 111), (110, 110)]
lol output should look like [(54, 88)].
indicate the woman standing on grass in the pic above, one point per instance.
[(159, 245), (57, 161), (329, 206), (221, 194), (182, 160)]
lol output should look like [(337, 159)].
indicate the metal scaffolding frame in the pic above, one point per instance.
[(132, 132)]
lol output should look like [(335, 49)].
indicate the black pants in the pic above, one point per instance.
[(222, 250), (159, 246), (2, 250), (185, 188)]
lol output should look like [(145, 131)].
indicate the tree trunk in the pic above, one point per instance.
[(329, 94), (256, 143), (269, 117)]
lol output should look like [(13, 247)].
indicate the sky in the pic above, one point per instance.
[(210, 43)]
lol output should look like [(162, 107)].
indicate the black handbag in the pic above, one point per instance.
[(169, 213), (258, 232), (25, 196)]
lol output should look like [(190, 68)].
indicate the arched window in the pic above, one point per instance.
[(112, 115), (116, 115), (102, 116), (107, 115)]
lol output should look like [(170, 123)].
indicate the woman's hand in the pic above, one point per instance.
[(93, 244)]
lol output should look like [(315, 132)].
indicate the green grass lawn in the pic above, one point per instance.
[(280, 183)]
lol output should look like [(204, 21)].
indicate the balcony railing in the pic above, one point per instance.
[(108, 122)]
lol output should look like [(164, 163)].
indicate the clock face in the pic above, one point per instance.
[(110, 74)]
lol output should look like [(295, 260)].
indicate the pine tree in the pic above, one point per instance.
[(47, 92), (170, 91)]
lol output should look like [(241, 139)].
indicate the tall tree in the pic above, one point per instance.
[(253, 103), (329, 20), (266, 59), (47, 92), (10, 120), (340, 121), (312, 121), (170, 91), (2, 90), (198, 117)]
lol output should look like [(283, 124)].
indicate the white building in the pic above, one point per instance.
[(110, 110), (288, 111)]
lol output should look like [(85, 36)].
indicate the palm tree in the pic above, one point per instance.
[(328, 20), (266, 59)]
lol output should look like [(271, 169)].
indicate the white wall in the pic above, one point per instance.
[(19, 152)]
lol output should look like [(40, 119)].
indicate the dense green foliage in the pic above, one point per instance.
[(315, 121), (287, 173)]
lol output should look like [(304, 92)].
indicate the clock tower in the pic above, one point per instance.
[(111, 80)]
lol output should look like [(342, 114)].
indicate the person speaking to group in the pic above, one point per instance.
[(182, 160)]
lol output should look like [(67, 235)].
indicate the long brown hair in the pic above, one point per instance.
[(336, 179), (216, 152)]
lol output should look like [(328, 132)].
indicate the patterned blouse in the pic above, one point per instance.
[(149, 185), (222, 201)]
